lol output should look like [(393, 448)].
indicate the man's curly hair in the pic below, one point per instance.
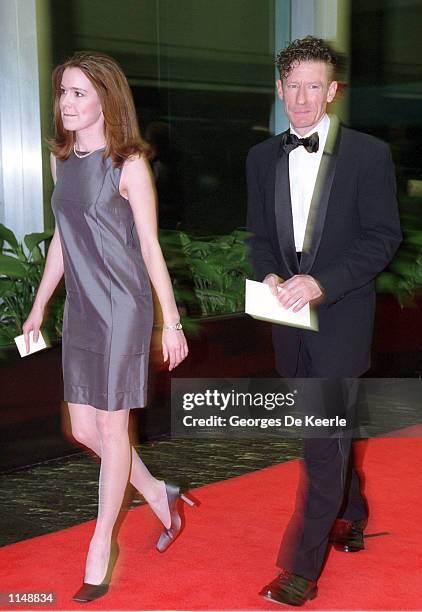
[(306, 49)]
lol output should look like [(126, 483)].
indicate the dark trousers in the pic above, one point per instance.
[(331, 487)]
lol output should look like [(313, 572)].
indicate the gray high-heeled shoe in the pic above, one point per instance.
[(174, 496), (90, 592)]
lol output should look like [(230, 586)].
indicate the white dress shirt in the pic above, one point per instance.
[(303, 170)]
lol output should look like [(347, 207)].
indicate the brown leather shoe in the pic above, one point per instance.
[(347, 536), (290, 589)]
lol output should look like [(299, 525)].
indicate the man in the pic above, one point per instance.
[(324, 222)]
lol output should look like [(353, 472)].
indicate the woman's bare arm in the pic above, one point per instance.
[(137, 186), (51, 277)]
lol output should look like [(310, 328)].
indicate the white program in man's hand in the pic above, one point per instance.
[(261, 304)]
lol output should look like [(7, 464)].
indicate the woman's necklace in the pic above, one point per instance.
[(81, 156)]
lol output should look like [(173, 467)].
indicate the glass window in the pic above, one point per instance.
[(202, 75), (386, 93)]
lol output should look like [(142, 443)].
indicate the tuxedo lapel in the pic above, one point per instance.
[(320, 197), (283, 213)]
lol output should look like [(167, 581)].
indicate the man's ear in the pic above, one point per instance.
[(279, 86), (332, 89)]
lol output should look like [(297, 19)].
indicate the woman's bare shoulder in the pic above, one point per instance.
[(136, 166)]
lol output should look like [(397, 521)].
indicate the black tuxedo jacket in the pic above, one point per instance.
[(352, 233)]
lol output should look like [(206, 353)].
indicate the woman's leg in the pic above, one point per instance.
[(115, 451), (84, 430)]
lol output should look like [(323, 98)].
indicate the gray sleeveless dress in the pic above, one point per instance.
[(108, 312)]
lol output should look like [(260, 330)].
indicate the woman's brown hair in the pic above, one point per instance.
[(120, 123)]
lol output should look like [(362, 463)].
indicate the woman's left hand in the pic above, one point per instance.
[(175, 347)]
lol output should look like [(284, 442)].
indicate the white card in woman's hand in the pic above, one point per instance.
[(33, 346)]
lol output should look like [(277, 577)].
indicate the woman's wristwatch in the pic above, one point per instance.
[(174, 327)]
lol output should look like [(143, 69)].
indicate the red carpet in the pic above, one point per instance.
[(227, 551)]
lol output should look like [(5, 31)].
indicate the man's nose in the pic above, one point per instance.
[(301, 95)]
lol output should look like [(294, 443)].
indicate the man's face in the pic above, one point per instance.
[(305, 94)]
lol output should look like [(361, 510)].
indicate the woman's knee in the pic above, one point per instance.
[(83, 427), (85, 436), (112, 427)]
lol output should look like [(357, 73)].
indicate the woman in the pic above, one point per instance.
[(103, 188)]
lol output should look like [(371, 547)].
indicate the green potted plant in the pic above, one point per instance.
[(21, 268)]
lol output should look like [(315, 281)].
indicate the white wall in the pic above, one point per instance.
[(21, 197)]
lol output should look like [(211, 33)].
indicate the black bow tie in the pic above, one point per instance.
[(291, 141)]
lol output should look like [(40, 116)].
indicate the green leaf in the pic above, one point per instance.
[(10, 266), (36, 254), (5, 338), (184, 239), (33, 240), (184, 295), (207, 271), (7, 235), (241, 235), (191, 326), (7, 288), (387, 283), (21, 254), (199, 248)]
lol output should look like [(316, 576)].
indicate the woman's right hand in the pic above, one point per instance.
[(33, 323)]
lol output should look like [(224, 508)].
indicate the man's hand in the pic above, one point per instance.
[(273, 281), (299, 290)]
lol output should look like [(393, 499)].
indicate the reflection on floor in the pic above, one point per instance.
[(63, 492), (59, 493)]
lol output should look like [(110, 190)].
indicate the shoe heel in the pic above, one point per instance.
[(313, 594), (187, 501)]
